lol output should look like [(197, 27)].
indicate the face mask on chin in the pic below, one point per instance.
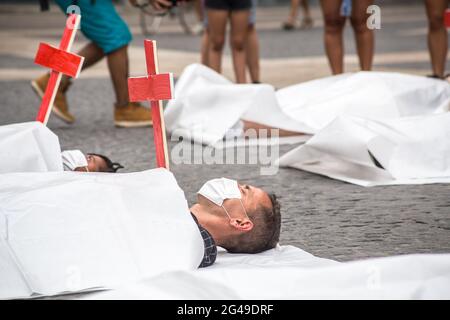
[(73, 159), (219, 190)]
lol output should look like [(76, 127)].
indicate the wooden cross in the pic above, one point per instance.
[(60, 61), (154, 88)]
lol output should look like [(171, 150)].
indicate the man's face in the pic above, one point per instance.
[(252, 198), (95, 164)]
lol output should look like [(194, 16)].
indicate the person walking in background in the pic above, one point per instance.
[(252, 45), (218, 13), (307, 21), (437, 36), (109, 36), (334, 27)]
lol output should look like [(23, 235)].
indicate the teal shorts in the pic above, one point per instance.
[(101, 23)]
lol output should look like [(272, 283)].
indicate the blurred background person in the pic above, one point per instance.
[(437, 36), (291, 22), (334, 26), (219, 12), (109, 37), (252, 45)]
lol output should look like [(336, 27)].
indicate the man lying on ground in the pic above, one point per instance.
[(239, 218), (118, 229)]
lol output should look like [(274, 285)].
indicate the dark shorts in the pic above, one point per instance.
[(230, 5)]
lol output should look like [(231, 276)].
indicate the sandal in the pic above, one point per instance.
[(288, 26), (447, 77)]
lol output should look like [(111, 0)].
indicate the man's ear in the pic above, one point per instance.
[(244, 225)]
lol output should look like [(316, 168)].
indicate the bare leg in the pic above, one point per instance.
[(91, 53), (334, 26), (118, 69), (307, 21), (199, 10), (253, 54), (306, 12), (363, 35), (257, 126), (238, 40), (293, 13), (204, 48), (437, 35), (217, 22)]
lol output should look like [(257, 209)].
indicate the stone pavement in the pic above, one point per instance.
[(328, 218)]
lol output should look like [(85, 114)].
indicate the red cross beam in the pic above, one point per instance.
[(154, 88), (60, 61)]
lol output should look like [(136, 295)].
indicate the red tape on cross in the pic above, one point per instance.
[(59, 60), (151, 88)]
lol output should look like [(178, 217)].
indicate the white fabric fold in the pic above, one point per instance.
[(411, 150), (29, 147), (290, 273), (207, 105)]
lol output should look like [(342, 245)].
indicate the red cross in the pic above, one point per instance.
[(60, 61), (153, 88)]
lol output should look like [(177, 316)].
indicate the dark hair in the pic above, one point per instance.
[(265, 233), (110, 166)]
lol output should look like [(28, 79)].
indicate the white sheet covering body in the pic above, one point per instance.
[(411, 150), (71, 231), (207, 105), (290, 273), (372, 95), (29, 147)]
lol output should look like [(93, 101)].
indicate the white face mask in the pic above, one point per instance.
[(73, 159), (218, 190)]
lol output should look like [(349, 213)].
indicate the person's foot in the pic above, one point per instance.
[(132, 115), (60, 106), (433, 76), (306, 23), (198, 29), (288, 26)]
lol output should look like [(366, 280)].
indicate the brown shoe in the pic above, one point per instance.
[(133, 115), (60, 106)]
